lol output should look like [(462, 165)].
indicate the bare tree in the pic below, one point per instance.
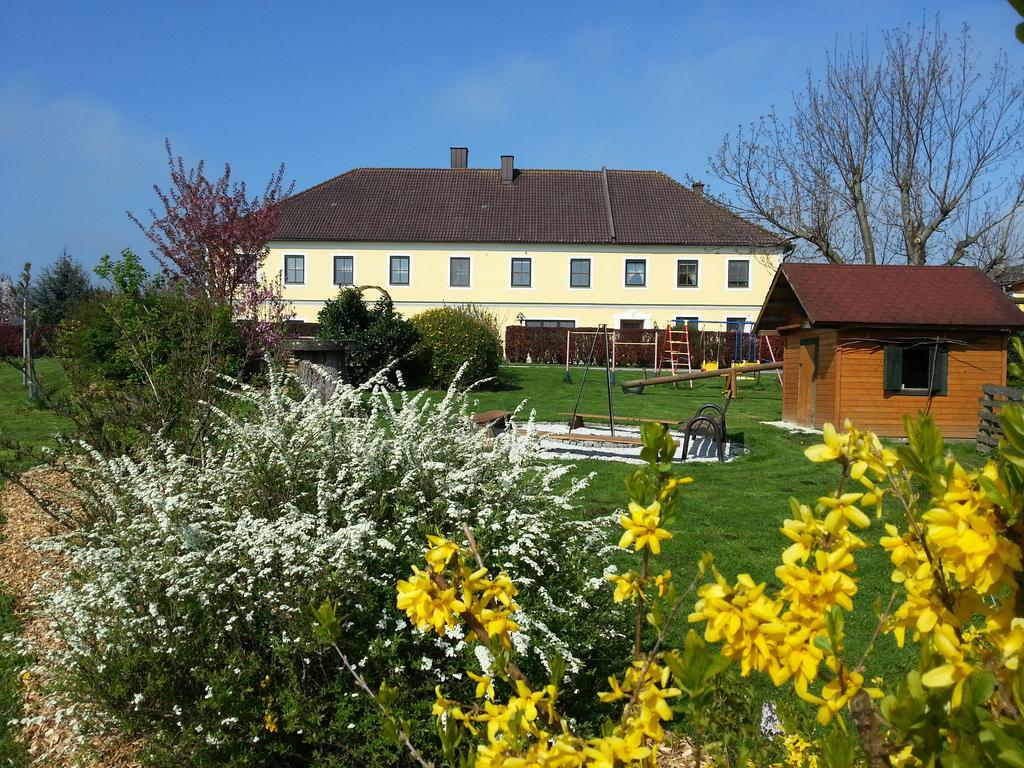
[(913, 156)]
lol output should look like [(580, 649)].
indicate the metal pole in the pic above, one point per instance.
[(608, 380)]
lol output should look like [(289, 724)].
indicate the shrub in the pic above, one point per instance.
[(457, 337), (187, 620), (144, 358), (374, 338)]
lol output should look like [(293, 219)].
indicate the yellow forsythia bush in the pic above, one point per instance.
[(956, 572)]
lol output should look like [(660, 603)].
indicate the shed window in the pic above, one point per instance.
[(916, 369)]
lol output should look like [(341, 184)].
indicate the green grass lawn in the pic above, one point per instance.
[(734, 509), (35, 426)]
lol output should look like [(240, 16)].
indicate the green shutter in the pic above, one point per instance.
[(893, 363), (940, 369)]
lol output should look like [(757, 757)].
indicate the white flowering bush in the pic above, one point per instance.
[(187, 620)]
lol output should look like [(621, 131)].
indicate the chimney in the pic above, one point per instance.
[(508, 171), (698, 187), (460, 157)]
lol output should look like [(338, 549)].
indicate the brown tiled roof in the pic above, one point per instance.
[(856, 294), (472, 205)]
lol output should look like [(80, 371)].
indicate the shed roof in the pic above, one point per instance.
[(473, 205), (875, 295)]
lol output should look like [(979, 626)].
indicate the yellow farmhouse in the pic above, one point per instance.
[(557, 248)]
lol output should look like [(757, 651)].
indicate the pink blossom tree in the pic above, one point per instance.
[(213, 237)]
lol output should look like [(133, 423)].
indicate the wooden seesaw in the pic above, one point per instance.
[(636, 386)]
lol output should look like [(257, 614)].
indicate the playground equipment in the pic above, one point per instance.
[(575, 421), (636, 386), (677, 350), (617, 340)]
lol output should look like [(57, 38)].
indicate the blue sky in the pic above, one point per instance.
[(89, 90)]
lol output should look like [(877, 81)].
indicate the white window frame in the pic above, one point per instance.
[(334, 271), (511, 260), (750, 275), (700, 273), (625, 262), (695, 318), (468, 258), (400, 256), (284, 267), (590, 273)]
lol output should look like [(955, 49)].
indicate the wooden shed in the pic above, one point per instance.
[(875, 343)]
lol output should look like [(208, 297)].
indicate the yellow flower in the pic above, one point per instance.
[(626, 586), (834, 446), (440, 552), (955, 671), (484, 686), (904, 758), (844, 507), (426, 604), (662, 580), (642, 528), (270, 722)]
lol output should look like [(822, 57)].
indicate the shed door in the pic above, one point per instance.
[(807, 377)]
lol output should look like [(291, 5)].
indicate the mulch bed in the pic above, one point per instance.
[(49, 735)]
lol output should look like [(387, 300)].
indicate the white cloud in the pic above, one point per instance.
[(72, 165)]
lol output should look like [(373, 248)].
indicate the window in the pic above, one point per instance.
[(521, 273), (636, 272), (739, 273), (734, 324), (549, 323), (916, 369), (399, 270), (579, 273), (686, 273), (294, 270), (247, 266), (458, 272), (692, 323), (344, 270)]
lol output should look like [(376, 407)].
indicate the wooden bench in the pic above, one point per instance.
[(493, 421), (668, 423), (579, 438)]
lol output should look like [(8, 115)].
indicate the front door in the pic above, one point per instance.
[(807, 376)]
